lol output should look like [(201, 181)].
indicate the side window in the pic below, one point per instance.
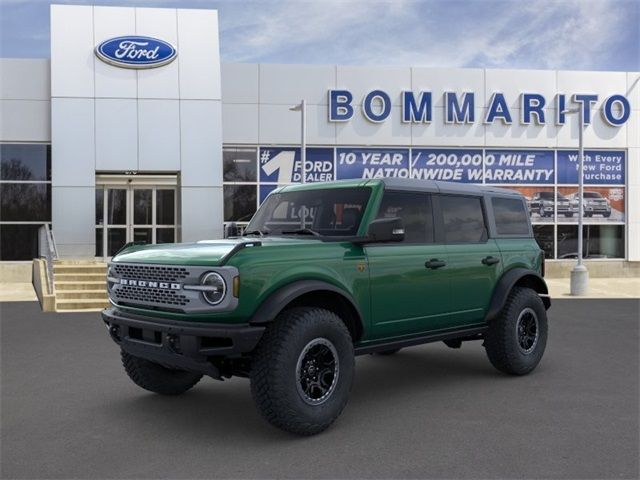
[(511, 218), (415, 211), (463, 219)]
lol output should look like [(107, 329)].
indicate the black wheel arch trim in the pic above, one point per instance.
[(278, 300), (508, 280)]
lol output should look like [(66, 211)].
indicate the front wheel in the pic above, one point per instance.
[(156, 378), (302, 370), (516, 340)]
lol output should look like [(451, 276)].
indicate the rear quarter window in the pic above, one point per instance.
[(511, 216)]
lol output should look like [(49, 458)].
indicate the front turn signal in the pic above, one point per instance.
[(236, 286)]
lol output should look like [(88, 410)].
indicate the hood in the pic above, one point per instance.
[(206, 252)]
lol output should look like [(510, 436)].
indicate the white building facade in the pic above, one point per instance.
[(108, 154)]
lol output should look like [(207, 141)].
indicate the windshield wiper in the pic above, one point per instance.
[(255, 232), (301, 231)]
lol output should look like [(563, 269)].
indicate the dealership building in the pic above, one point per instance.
[(134, 131)]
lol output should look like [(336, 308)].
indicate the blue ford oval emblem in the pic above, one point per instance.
[(135, 51)]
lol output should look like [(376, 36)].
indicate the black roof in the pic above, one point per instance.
[(445, 187)]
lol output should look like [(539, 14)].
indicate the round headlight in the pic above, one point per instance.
[(216, 288)]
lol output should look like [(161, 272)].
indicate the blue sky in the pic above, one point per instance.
[(546, 34)]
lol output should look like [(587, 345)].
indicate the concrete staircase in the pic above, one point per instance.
[(80, 286)]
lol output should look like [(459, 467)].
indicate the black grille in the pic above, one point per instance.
[(161, 296), (151, 272)]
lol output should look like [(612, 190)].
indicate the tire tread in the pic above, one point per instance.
[(268, 392), (156, 378), (500, 341)]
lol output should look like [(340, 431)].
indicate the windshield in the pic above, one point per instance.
[(325, 212), (592, 195)]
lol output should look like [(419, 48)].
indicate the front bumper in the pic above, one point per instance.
[(183, 345), (567, 209), (597, 209)]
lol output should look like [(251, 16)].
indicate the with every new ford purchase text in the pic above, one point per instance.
[(324, 272)]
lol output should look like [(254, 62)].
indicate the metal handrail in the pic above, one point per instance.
[(240, 225), (47, 249), (52, 240)]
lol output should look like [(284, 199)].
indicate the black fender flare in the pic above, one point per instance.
[(509, 279), (278, 300)]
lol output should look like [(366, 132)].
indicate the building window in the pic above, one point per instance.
[(25, 198), (239, 164), (545, 237), (598, 241), (550, 189), (25, 162), (240, 177), (239, 202), (25, 202)]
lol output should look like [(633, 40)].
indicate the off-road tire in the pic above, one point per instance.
[(502, 342), (156, 378), (392, 351), (274, 376)]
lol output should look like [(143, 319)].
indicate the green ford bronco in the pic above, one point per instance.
[(325, 272)]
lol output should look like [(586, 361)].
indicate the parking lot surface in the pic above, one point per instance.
[(69, 411)]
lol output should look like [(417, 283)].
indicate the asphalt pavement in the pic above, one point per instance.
[(69, 411)]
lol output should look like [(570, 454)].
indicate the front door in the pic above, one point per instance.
[(134, 213), (409, 280)]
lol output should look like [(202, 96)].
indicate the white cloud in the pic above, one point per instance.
[(552, 34), (544, 34)]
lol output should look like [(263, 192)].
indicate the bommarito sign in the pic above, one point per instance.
[(417, 107)]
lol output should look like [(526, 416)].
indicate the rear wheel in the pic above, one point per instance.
[(302, 370), (516, 340), (156, 378)]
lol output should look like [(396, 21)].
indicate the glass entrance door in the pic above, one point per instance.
[(134, 213)]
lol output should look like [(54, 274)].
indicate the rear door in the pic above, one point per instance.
[(406, 295), (474, 263)]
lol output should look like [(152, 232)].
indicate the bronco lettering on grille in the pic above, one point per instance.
[(148, 284)]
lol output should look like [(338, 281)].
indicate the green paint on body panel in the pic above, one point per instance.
[(389, 283)]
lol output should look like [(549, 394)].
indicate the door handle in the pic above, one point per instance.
[(434, 263), (490, 260)]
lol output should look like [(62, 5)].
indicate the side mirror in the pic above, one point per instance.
[(231, 230), (385, 230)]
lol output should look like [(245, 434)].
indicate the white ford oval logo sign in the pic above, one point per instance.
[(136, 51)]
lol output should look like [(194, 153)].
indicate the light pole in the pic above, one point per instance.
[(580, 274), (301, 107)]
